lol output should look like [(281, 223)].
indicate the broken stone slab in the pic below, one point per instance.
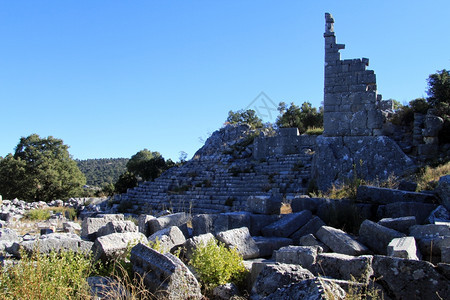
[(267, 245), (203, 223), (113, 246), (421, 211), (288, 224), (304, 256), (310, 240), (432, 239), (191, 244), (443, 191), (258, 222), (309, 228), (404, 247), (440, 214), (376, 236), (429, 230), (168, 238), (231, 220), (274, 276), (241, 240), (299, 203), (56, 242), (143, 223), (266, 205), (117, 227), (71, 227), (385, 196), (399, 224), (226, 291), (90, 226), (309, 289), (410, 279), (345, 267), (177, 219), (340, 242), (165, 275)]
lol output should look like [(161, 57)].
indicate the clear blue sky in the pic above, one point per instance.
[(111, 78)]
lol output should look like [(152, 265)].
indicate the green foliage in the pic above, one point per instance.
[(38, 214), (248, 117), (428, 177), (303, 117), (100, 172), (53, 276), (439, 99), (405, 114), (45, 213), (40, 169), (215, 264), (314, 131), (126, 181)]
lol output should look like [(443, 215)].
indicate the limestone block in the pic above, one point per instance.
[(432, 239), (440, 214), (309, 228), (203, 223), (309, 289), (114, 245), (443, 191), (410, 279), (264, 204), (304, 256), (404, 247), (267, 245), (117, 227), (231, 220), (288, 224), (71, 227), (340, 242), (191, 244), (385, 196), (258, 222), (346, 267), (310, 240), (421, 211), (376, 236), (299, 203), (241, 240), (143, 223), (90, 226), (57, 242), (225, 291), (165, 275), (168, 238), (399, 224), (177, 219)]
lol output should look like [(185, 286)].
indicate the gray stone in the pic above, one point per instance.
[(225, 291), (203, 223), (345, 267), (113, 246), (443, 190), (191, 244), (385, 196), (432, 239), (340, 242), (267, 245), (407, 186), (231, 220), (107, 288), (376, 236), (274, 276), (404, 247), (310, 240), (399, 224), (71, 227), (90, 226), (429, 230), (410, 279), (309, 228), (309, 289), (440, 214), (177, 219), (302, 203), (143, 223), (304, 256), (258, 222), (266, 205), (164, 275), (57, 242), (168, 238), (420, 211), (288, 224), (241, 240), (8, 235), (117, 227)]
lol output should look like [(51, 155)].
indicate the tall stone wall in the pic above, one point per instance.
[(350, 92)]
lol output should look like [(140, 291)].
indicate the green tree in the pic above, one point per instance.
[(439, 99), (147, 164), (40, 169), (126, 181), (248, 117), (303, 117)]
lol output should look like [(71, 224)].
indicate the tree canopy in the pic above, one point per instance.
[(40, 169), (303, 117), (248, 117)]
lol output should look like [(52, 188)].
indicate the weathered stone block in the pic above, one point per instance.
[(404, 247), (340, 242), (346, 267), (143, 223), (399, 224), (310, 240), (309, 228), (177, 219), (386, 196), (377, 237), (258, 222), (203, 223), (443, 191), (57, 242), (288, 224), (90, 226), (117, 227), (304, 256), (421, 211), (440, 214), (168, 238), (267, 245), (114, 245), (241, 240), (191, 244)]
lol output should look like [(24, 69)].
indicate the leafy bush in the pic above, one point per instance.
[(37, 214), (53, 276), (215, 264)]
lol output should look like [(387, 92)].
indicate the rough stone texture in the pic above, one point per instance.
[(168, 238), (376, 236), (309, 289), (274, 276), (310, 240), (440, 214), (177, 219), (385, 196), (164, 275), (57, 242), (143, 223), (304, 256), (443, 191), (399, 224), (258, 222), (267, 245), (340, 242), (117, 227), (203, 223), (300, 203), (266, 205), (192, 243), (71, 227), (9, 241), (410, 279), (420, 211), (404, 247), (309, 228), (113, 245), (288, 224), (432, 240), (225, 291), (336, 158), (231, 220), (241, 240), (90, 226), (346, 267)]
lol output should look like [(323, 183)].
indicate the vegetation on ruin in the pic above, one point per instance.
[(304, 117), (45, 213), (103, 171), (248, 117), (427, 178)]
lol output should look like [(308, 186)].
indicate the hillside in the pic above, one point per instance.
[(103, 170)]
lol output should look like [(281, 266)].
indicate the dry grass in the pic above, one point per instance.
[(427, 179)]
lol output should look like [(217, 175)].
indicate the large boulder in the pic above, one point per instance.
[(168, 238), (340, 242), (443, 191), (90, 226), (114, 245), (376, 236), (165, 275), (385, 196), (267, 245), (177, 219), (309, 289), (241, 240), (57, 242), (304, 256), (288, 224), (346, 267), (410, 279), (117, 227), (421, 211)]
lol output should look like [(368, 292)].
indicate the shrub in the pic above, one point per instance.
[(38, 214), (215, 264), (53, 276), (314, 131)]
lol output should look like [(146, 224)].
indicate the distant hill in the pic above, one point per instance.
[(103, 170)]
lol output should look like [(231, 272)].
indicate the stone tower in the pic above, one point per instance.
[(350, 92)]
